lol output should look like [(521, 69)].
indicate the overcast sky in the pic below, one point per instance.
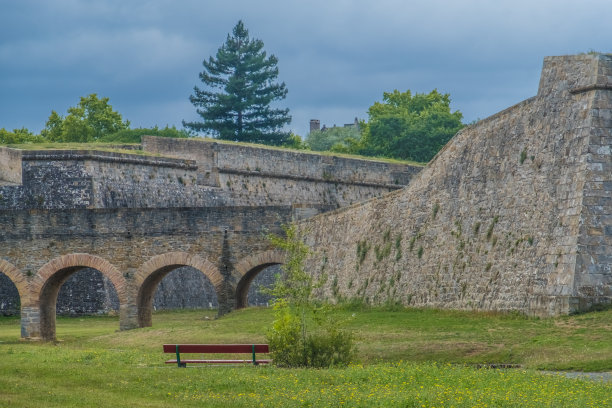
[(336, 57)]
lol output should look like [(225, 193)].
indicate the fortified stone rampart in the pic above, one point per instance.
[(515, 213), (106, 228), (96, 179), (203, 174), (264, 176)]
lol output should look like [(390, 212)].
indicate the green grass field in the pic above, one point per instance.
[(406, 358)]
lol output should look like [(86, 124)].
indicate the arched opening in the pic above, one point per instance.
[(50, 278), (253, 289), (14, 281), (256, 273), (151, 273), (10, 302), (87, 292), (185, 288)]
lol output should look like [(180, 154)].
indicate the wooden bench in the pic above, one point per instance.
[(251, 349)]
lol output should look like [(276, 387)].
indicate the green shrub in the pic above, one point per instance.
[(135, 135), (285, 337), (303, 334), (329, 347)]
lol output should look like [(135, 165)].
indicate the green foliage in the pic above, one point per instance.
[(340, 139), (385, 250), (523, 156), (235, 104), (409, 127), (330, 347), (89, 121), (420, 252), (398, 247), (362, 250), (434, 211), (134, 135), (412, 242), (295, 142), (303, 333), (19, 136), (286, 336), (491, 226)]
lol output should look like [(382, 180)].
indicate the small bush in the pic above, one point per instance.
[(327, 348), (292, 346), (302, 334), (285, 337)]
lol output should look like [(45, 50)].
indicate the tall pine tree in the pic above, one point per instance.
[(241, 85)]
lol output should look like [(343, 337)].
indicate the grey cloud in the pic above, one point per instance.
[(336, 58)]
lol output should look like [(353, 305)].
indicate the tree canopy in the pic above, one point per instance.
[(411, 127), (240, 86), (333, 139), (18, 136), (89, 121)]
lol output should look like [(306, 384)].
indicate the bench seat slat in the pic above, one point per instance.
[(216, 348), (219, 361)]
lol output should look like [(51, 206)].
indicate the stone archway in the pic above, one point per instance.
[(248, 268), (17, 278), (46, 284), (20, 282), (151, 273)]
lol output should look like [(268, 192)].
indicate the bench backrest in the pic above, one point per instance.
[(216, 348)]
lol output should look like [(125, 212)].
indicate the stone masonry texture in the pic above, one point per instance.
[(515, 212), (183, 224)]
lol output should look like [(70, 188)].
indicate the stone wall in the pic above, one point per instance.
[(265, 176), (84, 179), (200, 175), (513, 214), (10, 170), (281, 163), (204, 174)]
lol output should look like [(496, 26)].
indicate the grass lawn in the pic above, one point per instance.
[(406, 358)]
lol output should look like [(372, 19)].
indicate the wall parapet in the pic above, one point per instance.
[(331, 179), (10, 165), (281, 163), (107, 157)]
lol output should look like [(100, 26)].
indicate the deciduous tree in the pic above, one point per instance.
[(413, 127), (90, 120)]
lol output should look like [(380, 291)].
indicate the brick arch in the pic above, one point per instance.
[(155, 269), (18, 280), (46, 284), (248, 268)]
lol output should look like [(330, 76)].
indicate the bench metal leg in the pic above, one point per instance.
[(178, 358)]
